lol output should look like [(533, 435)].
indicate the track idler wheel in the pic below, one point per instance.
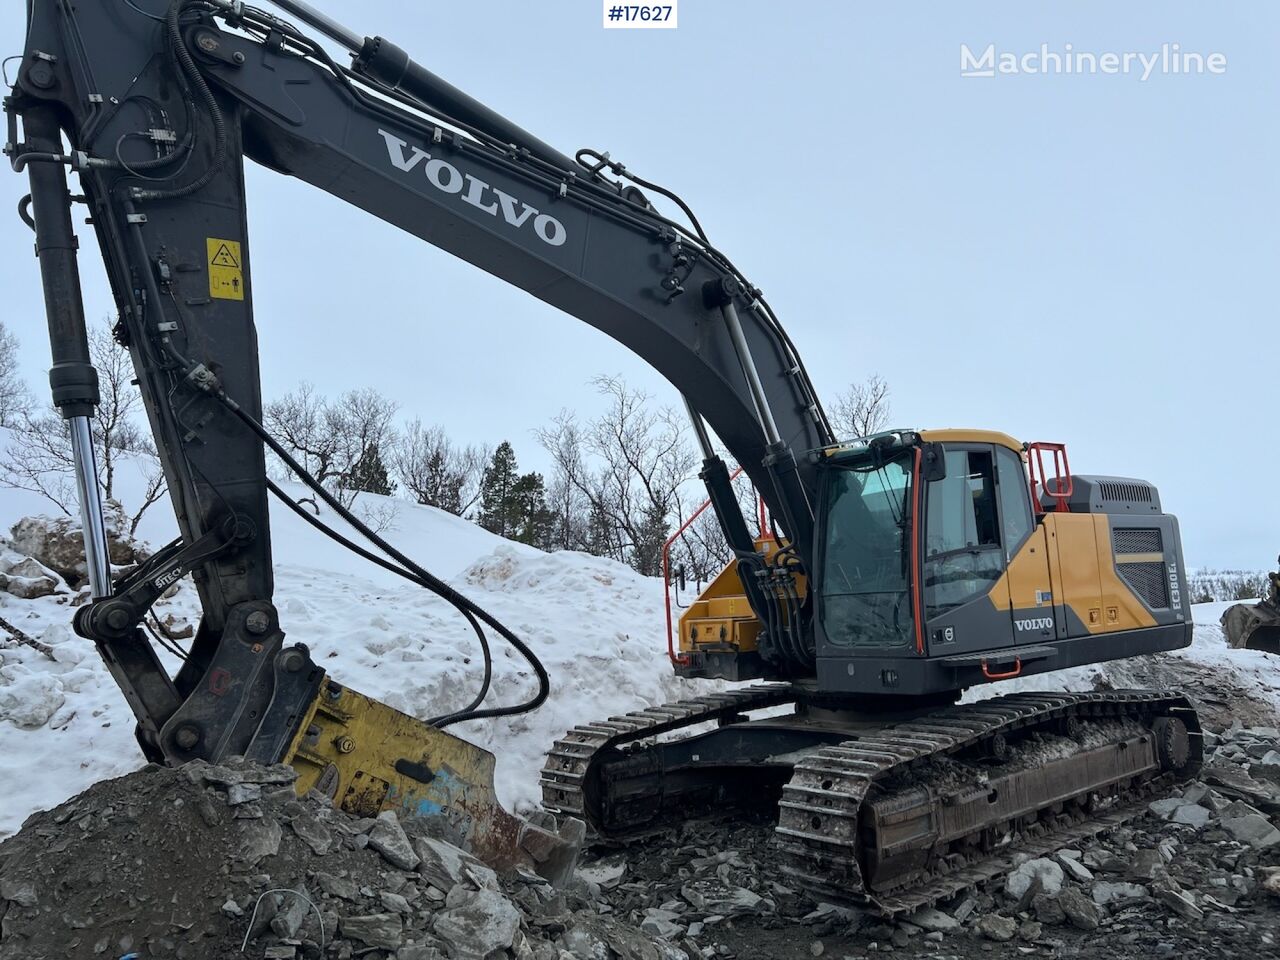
[(1173, 743)]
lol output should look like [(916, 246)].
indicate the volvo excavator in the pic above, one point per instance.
[(895, 572)]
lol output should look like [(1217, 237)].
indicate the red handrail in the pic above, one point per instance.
[(1063, 484), (666, 575)]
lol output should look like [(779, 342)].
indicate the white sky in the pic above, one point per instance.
[(1082, 258)]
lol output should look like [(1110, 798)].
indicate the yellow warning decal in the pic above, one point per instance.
[(226, 269)]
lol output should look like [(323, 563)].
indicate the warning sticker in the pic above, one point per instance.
[(226, 271)]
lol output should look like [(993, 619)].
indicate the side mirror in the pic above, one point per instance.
[(933, 465)]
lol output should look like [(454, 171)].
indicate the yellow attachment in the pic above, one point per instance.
[(721, 619), (367, 758)]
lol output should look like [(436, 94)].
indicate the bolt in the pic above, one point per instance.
[(293, 660), (238, 57), (258, 622), (187, 736), (344, 744)]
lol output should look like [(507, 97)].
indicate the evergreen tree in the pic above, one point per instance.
[(651, 535), (369, 474), (531, 520), (496, 489)]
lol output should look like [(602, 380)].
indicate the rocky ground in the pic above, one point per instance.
[(200, 861)]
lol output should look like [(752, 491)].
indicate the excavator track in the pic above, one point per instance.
[(906, 814)]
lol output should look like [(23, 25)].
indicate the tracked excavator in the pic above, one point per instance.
[(895, 572)]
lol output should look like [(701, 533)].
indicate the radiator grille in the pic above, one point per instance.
[(1148, 582), (1137, 540), (1124, 492)]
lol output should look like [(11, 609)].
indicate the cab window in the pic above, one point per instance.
[(963, 558), (1015, 499)]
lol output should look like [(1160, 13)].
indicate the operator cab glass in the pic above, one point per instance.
[(865, 599)]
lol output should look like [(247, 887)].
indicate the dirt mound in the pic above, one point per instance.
[(190, 863)]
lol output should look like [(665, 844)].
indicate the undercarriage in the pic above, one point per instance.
[(893, 812)]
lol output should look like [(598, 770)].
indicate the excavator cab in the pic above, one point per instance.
[(946, 559)]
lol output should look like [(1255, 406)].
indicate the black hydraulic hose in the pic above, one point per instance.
[(435, 584), (328, 531), (188, 67)]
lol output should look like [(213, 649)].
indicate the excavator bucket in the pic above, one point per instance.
[(368, 757), (1253, 626), (1256, 626)]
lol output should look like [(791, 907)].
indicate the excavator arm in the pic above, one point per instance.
[(156, 106)]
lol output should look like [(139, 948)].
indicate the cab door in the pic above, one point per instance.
[(1030, 594), (966, 592)]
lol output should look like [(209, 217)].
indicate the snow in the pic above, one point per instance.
[(597, 625)]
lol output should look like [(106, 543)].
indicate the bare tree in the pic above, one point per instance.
[(40, 458), (863, 409), (14, 399), (435, 471), (627, 468), (331, 438)]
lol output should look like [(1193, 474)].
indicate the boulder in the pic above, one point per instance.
[(1047, 872), (382, 930), (1180, 903), (389, 839), (995, 927), (1254, 829), (1080, 911), (485, 923), (443, 865), (1048, 910), (59, 545), (934, 920), (1192, 815)]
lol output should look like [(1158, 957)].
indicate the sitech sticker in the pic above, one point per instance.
[(652, 16)]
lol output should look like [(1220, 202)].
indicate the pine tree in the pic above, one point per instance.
[(531, 521), (369, 474), (646, 554), (496, 488)]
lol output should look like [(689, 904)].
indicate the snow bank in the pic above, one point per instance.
[(596, 624)]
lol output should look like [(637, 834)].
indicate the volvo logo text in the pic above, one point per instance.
[(1039, 623), (447, 178)]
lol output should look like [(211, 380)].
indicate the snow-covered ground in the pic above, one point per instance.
[(596, 624)]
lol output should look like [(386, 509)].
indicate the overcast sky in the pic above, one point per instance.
[(1090, 259)]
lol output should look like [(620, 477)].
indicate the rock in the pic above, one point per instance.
[(442, 864), (1075, 869), (393, 902), (21, 892), (1192, 815), (293, 911), (710, 898), (59, 545), (232, 909), (995, 927), (933, 919), (389, 839), (963, 911), (382, 930), (258, 839), (1047, 872), (29, 588), (313, 833), (817, 948), (1271, 883), (1105, 892), (1146, 864), (484, 923), (1253, 829), (1079, 910), (336, 886), (606, 874), (1048, 910), (1030, 931), (1180, 903), (1164, 808), (658, 924), (238, 793)]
